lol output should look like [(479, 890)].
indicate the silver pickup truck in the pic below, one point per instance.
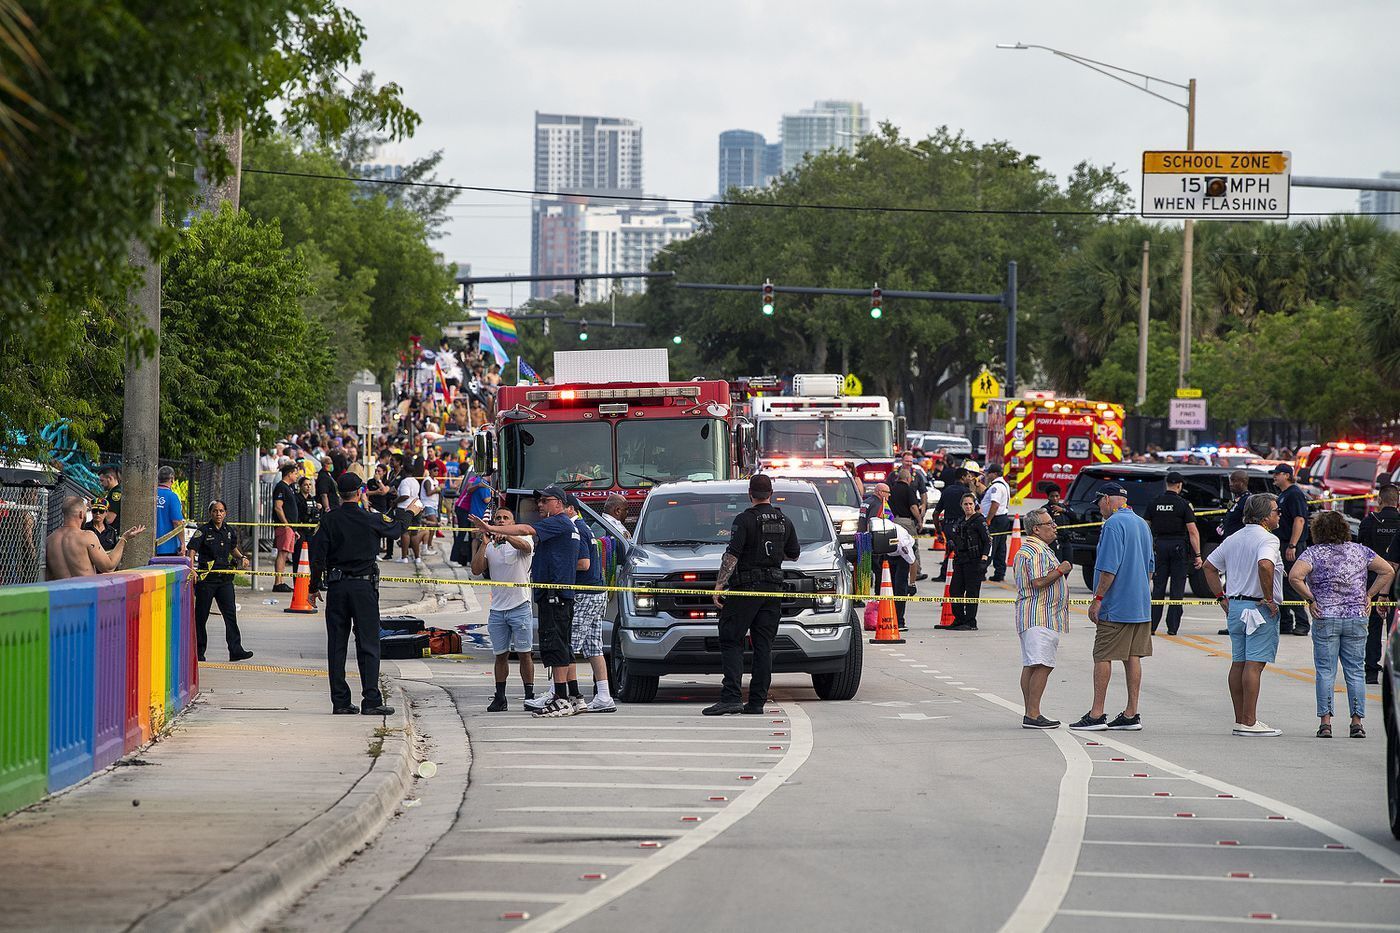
[(681, 534)]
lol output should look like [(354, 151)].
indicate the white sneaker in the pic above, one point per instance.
[(561, 707), (539, 703), (580, 704), (601, 705), (404, 560), (1256, 730), (419, 566)]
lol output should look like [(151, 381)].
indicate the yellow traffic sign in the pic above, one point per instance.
[(852, 386), (1216, 163), (1188, 393), (984, 388)]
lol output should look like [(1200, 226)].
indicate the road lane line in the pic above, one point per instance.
[(618, 739), (530, 858), (1147, 876), (1211, 845), (505, 897), (552, 830), (1193, 819), (1377, 853), (970, 689), (668, 769), (1055, 872), (591, 785), (1205, 918), (606, 810), (639, 874), (614, 752), (602, 727), (1155, 797)]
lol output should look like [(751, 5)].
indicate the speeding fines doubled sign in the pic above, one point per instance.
[(1216, 185)]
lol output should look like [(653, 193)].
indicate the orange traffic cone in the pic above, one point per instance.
[(301, 588), (1015, 544), (887, 630), (945, 618)]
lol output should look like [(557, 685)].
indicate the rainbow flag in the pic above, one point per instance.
[(503, 326)]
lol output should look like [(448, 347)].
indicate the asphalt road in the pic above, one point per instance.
[(919, 805)]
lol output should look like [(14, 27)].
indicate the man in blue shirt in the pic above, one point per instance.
[(589, 606), (1292, 534), (1122, 607), (170, 514), (555, 562)]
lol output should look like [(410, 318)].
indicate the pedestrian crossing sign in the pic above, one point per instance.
[(984, 388), (852, 385)]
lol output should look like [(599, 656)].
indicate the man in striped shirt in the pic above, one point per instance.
[(1042, 611)]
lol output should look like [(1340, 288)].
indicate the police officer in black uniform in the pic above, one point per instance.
[(760, 539), (214, 547), (1177, 544), (1380, 531), (1234, 518), (343, 553)]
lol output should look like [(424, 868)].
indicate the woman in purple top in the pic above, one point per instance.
[(1331, 576)]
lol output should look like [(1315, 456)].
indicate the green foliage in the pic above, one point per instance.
[(1115, 378), (918, 349)]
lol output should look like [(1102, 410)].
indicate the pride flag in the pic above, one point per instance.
[(527, 372), (503, 326), (440, 384)]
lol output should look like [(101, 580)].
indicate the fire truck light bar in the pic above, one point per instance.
[(833, 404), (582, 395)]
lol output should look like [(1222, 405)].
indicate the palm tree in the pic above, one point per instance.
[(21, 69)]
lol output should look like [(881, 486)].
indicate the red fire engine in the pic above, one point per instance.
[(1050, 439)]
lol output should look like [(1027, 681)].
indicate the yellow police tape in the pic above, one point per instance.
[(765, 594)]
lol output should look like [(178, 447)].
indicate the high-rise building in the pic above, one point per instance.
[(742, 157), (772, 161), (574, 235), (576, 154), (827, 124), (1384, 203)]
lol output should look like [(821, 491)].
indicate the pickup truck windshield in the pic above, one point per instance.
[(707, 517)]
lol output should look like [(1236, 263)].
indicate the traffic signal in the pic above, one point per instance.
[(583, 331), (875, 299), (768, 298), (676, 340)]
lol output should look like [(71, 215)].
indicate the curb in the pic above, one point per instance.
[(273, 879)]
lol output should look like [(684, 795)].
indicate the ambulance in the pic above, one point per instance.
[(1050, 439)]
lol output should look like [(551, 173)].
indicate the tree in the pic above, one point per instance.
[(1115, 378)]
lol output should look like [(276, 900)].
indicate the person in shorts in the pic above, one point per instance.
[(286, 510), (506, 559), (1122, 608), (587, 640), (1042, 611)]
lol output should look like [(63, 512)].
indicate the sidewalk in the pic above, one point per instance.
[(255, 794)]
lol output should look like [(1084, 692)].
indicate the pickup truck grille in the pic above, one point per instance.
[(683, 605)]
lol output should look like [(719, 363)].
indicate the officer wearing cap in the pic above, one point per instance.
[(343, 553), (104, 524), (1176, 548), (759, 540), (1292, 534), (214, 547)]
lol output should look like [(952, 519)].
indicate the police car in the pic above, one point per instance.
[(681, 535)]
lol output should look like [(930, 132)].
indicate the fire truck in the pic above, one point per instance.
[(613, 421), (818, 426), (1050, 439), (1344, 468)]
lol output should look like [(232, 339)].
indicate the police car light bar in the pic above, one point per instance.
[(593, 395)]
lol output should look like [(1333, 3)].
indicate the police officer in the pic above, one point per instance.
[(1177, 544), (1234, 518), (343, 553), (215, 547), (760, 539), (1380, 531)]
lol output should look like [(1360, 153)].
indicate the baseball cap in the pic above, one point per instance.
[(971, 466), (1282, 468), (1174, 477), (571, 501), (552, 492), (1111, 489), (348, 483)]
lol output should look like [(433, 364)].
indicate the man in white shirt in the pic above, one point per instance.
[(614, 514), (1250, 595), (996, 505), (410, 490), (506, 559)]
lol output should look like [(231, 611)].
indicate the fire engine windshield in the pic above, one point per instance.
[(869, 438), (651, 452), (574, 454)]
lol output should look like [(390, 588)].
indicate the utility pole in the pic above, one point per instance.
[(1188, 236), (1144, 293), (1009, 301), (141, 405)]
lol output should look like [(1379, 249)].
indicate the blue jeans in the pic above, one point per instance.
[(1344, 638)]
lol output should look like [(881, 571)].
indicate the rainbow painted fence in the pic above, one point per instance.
[(90, 669)]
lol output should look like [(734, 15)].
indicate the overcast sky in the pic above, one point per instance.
[(1319, 79)]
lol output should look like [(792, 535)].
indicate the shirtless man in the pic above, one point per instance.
[(73, 552)]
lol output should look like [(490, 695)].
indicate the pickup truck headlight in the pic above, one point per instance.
[(850, 526), (645, 604), (826, 593)]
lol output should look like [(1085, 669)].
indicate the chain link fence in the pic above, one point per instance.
[(24, 526)]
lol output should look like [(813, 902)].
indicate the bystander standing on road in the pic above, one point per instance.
[(1332, 575), (409, 493), (214, 550), (286, 511), (1042, 612), (72, 552), (1176, 546), (327, 496), (877, 516), (971, 545), (1292, 538), (505, 559), (907, 506), (103, 523), (430, 492), (1121, 609), (110, 479), (556, 565), (1250, 595), (586, 641), (614, 516), (996, 503), (1380, 531), (170, 515)]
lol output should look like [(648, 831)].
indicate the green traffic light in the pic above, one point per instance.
[(875, 313), (676, 339), (768, 310), (583, 335)]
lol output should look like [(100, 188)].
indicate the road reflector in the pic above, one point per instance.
[(515, 915), (1334, 845), (1240, 874), (1140, 774), (1117, 759), (1161, 793), (1263, 915), (1228, 842), (1226, 796), (648, 844), (593, 876), (1186, 816), (690, 819), (719, 798), (1275, 816), (746, 777)]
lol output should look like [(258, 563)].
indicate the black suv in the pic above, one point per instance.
[(1206, 488)]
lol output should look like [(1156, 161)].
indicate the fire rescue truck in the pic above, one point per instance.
[(1343, 468), (612, 422), (1049, 439), (818, 426)]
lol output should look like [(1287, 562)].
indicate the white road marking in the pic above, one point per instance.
[(1145, 876), (956, 683), (530, 858), (917, 717), (617, 739), (945, 676), (585, 785), (578, 831), (1203, 918), (970, 689), (506, 897), (1211, 845), (606, 810), (1155, 797), (600, 727), (1191, 819), (1129, 777), (625, 753), (1055, 872), (676, 769), (642, 872)]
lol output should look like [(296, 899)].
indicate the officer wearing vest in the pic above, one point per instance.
[(1380, 531), (343, 563), (761, 538), (1177, 547), (215, 547)]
